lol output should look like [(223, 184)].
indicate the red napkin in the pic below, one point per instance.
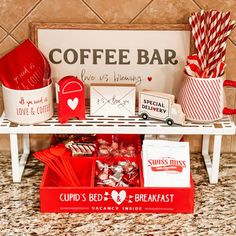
[(57, 159), (24, 68)]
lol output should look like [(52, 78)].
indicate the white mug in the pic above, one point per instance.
[(28, 106)]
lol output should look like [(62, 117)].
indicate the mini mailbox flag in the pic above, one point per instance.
[(70, 98)]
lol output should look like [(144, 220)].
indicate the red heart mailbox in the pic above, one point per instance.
[(70, 98)]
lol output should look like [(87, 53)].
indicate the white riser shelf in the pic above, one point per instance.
[(116, 125)]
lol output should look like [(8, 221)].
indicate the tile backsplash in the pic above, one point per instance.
[(15, 17)]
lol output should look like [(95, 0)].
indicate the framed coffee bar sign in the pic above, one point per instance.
[(149, 56)]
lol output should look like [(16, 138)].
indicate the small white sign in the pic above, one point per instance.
[(166, 163), (155, 105), (112, 99)]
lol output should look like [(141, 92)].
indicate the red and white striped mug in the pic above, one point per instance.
[(202, 99)]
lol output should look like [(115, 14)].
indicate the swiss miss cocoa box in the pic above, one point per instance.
[(166, 163)]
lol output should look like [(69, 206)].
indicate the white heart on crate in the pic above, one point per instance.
[(118, 197), (73, 103)]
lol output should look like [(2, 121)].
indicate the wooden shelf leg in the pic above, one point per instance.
[(216, 159), (26, 149), (212, 166), (205, 154), (205, 145), (18, 165), (14, 158)]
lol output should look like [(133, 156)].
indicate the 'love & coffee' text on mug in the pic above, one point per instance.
[(28, 106)]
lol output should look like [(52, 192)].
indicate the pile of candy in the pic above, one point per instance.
[(114, 149), (120, 174)]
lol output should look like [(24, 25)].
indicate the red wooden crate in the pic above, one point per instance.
[(55, 196)]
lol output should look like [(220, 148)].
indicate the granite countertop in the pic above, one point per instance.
[(215, 208)]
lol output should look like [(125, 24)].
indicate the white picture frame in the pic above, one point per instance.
[(151, 56)]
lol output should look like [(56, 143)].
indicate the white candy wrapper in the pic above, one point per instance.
[(166, 163)]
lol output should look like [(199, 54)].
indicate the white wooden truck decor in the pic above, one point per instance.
[(160, 106)]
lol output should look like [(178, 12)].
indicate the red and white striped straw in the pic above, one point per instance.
[(218, 70), (221, 46), (194, 20), (210, 30), (230, 28), (192, 70), (203, 38), (212, 62), (214, 29), (193, 59)]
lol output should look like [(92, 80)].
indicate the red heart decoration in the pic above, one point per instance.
[(149, 78)]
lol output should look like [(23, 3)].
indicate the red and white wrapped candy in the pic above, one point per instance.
[(117, 174), (106, 149), (81, 149)]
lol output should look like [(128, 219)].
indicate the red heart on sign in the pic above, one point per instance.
[(149, 78)]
